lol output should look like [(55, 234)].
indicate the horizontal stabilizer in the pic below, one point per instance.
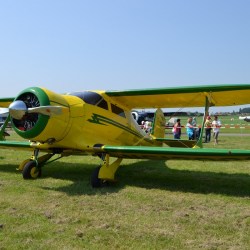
[(178, 143)]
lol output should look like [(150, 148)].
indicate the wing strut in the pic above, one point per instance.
[(206, 113), (2, 129)]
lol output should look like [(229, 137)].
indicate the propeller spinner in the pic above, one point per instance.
[(18, 109)]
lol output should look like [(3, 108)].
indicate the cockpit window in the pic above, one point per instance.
[(91, 98), (103, 104), (117, 110)]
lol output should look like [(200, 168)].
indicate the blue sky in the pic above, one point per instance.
[(73, 45)]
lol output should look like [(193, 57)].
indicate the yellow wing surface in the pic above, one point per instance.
[(173, 97), (5, 102)]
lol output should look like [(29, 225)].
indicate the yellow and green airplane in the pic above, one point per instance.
[(100, 123)]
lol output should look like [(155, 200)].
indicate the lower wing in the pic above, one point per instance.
[(16, 145), (157, 153), (142, 152)]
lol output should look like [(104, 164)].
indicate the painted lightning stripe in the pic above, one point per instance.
[(102, 120)]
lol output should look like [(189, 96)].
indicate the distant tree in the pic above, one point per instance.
[(245, 110)]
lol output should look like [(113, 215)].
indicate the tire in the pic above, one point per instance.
[(31, 171), (95, 181)]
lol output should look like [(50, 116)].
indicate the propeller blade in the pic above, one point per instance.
[(18, 109), (48, 110)]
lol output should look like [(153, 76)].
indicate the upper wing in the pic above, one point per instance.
[(218, 95), (164, 153), (5, 102)]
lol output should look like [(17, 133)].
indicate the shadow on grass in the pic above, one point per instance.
[(151, 175), (145, 174)]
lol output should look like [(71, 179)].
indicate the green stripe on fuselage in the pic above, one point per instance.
[(102, 120)]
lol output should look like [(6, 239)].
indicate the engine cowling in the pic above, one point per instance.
[(37, 126)]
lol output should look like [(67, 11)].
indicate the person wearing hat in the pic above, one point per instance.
[(216, 124), (208, 128)]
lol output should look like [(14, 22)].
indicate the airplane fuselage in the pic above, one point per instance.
[(91, 118)]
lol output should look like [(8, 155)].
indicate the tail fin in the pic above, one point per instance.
[(158, 127)]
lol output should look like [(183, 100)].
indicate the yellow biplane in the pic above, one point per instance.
[(100, 123)]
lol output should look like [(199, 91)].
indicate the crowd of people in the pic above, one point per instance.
[(193, 132)]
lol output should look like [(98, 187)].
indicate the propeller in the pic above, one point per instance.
[(18, 110)]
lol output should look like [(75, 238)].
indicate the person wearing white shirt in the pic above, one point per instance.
[(216, 124)]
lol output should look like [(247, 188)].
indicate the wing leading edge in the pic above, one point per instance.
[(16, 145), (163, 153), (218, 95)]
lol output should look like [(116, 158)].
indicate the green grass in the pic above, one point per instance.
[(154, 204)]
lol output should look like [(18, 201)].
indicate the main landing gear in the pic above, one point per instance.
[(105, 173), (32, 168), (31, 171)]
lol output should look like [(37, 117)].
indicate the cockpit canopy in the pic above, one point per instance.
[(92, 98), (96, 99)]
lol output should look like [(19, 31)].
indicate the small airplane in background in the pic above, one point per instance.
[(245, 118), (101, 124)]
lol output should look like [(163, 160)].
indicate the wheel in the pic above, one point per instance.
[(95, 181), (31, 171), (21, 166)]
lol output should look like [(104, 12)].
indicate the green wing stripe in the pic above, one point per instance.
[(179, 90), (191, 96), (7, 99), (142, 152), (16, 145)]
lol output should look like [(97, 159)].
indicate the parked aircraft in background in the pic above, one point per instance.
[(245, 118)]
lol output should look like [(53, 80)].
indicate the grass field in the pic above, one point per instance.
[(154, 204)]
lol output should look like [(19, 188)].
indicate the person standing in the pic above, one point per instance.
[(177, 129), (208, 128), (216, 124), (190, 129)]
